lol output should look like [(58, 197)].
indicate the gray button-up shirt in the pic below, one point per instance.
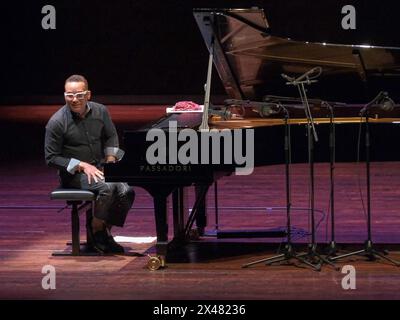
[(70, 139)]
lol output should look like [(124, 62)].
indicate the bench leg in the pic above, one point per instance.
[(75, 230), (75, 243), (89, 214)]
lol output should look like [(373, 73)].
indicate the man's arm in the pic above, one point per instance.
[(111, 159), (54, 139)]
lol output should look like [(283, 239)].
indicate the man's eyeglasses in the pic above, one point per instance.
[(78, 95)]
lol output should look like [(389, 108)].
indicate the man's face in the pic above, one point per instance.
[(76, 96)]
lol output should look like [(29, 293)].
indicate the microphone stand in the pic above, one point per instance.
[(332, 145), (288, 252), (312, 136), (369, 250)]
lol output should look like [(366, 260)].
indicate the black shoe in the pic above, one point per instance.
[(105, 243), (114, 246), (99, 241)]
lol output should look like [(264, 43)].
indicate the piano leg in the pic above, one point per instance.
[(160, 210), (179, 213), (201, 217), (160, 197), (201, 192)]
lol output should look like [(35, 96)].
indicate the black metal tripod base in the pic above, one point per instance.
[(313, 255), (288, 255), (370, 252), (332, 250)]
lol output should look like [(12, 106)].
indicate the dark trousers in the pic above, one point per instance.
[(114, 199)]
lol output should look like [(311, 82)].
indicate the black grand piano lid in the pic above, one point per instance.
[(250, 59)]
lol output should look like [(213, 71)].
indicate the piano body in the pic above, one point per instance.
[(249, 60)]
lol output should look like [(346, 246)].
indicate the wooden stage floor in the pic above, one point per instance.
[(31, 228)]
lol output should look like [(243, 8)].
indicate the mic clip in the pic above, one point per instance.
[(307, 77)]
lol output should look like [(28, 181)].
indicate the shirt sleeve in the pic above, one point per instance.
[(111, 143), (53, 143), (73, 165)]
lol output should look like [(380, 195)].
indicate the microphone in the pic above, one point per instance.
[(383, 100), (388, 104), (267, 109), (286, 77), (316, 70), (225, 114), (264, 109)]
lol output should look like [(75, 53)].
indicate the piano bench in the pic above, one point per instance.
[(78, 200)]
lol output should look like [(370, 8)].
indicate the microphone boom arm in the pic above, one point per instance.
[(299, 83)]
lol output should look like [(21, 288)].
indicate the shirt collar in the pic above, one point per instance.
[(76, 115)]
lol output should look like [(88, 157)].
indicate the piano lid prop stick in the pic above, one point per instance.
[(204, 122)]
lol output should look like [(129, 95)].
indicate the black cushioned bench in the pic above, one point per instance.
[(79, 200)]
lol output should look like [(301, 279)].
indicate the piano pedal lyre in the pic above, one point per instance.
[(155, 262), (193, 235)]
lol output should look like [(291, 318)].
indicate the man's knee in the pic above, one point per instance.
[(104, 190), (130, 193), (123, 189), (125, 193)]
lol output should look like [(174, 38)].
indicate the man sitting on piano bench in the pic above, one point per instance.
[(79, 138)]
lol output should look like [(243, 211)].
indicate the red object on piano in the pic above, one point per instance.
[(186, 106)]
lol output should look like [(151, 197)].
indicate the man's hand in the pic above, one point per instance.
[(111, 159), (91, 171)]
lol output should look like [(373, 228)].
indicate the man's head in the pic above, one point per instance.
[(77, 93)]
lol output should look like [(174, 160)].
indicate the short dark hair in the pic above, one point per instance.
[(78, 78)]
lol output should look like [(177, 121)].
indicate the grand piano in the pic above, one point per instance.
[(250, 61)]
